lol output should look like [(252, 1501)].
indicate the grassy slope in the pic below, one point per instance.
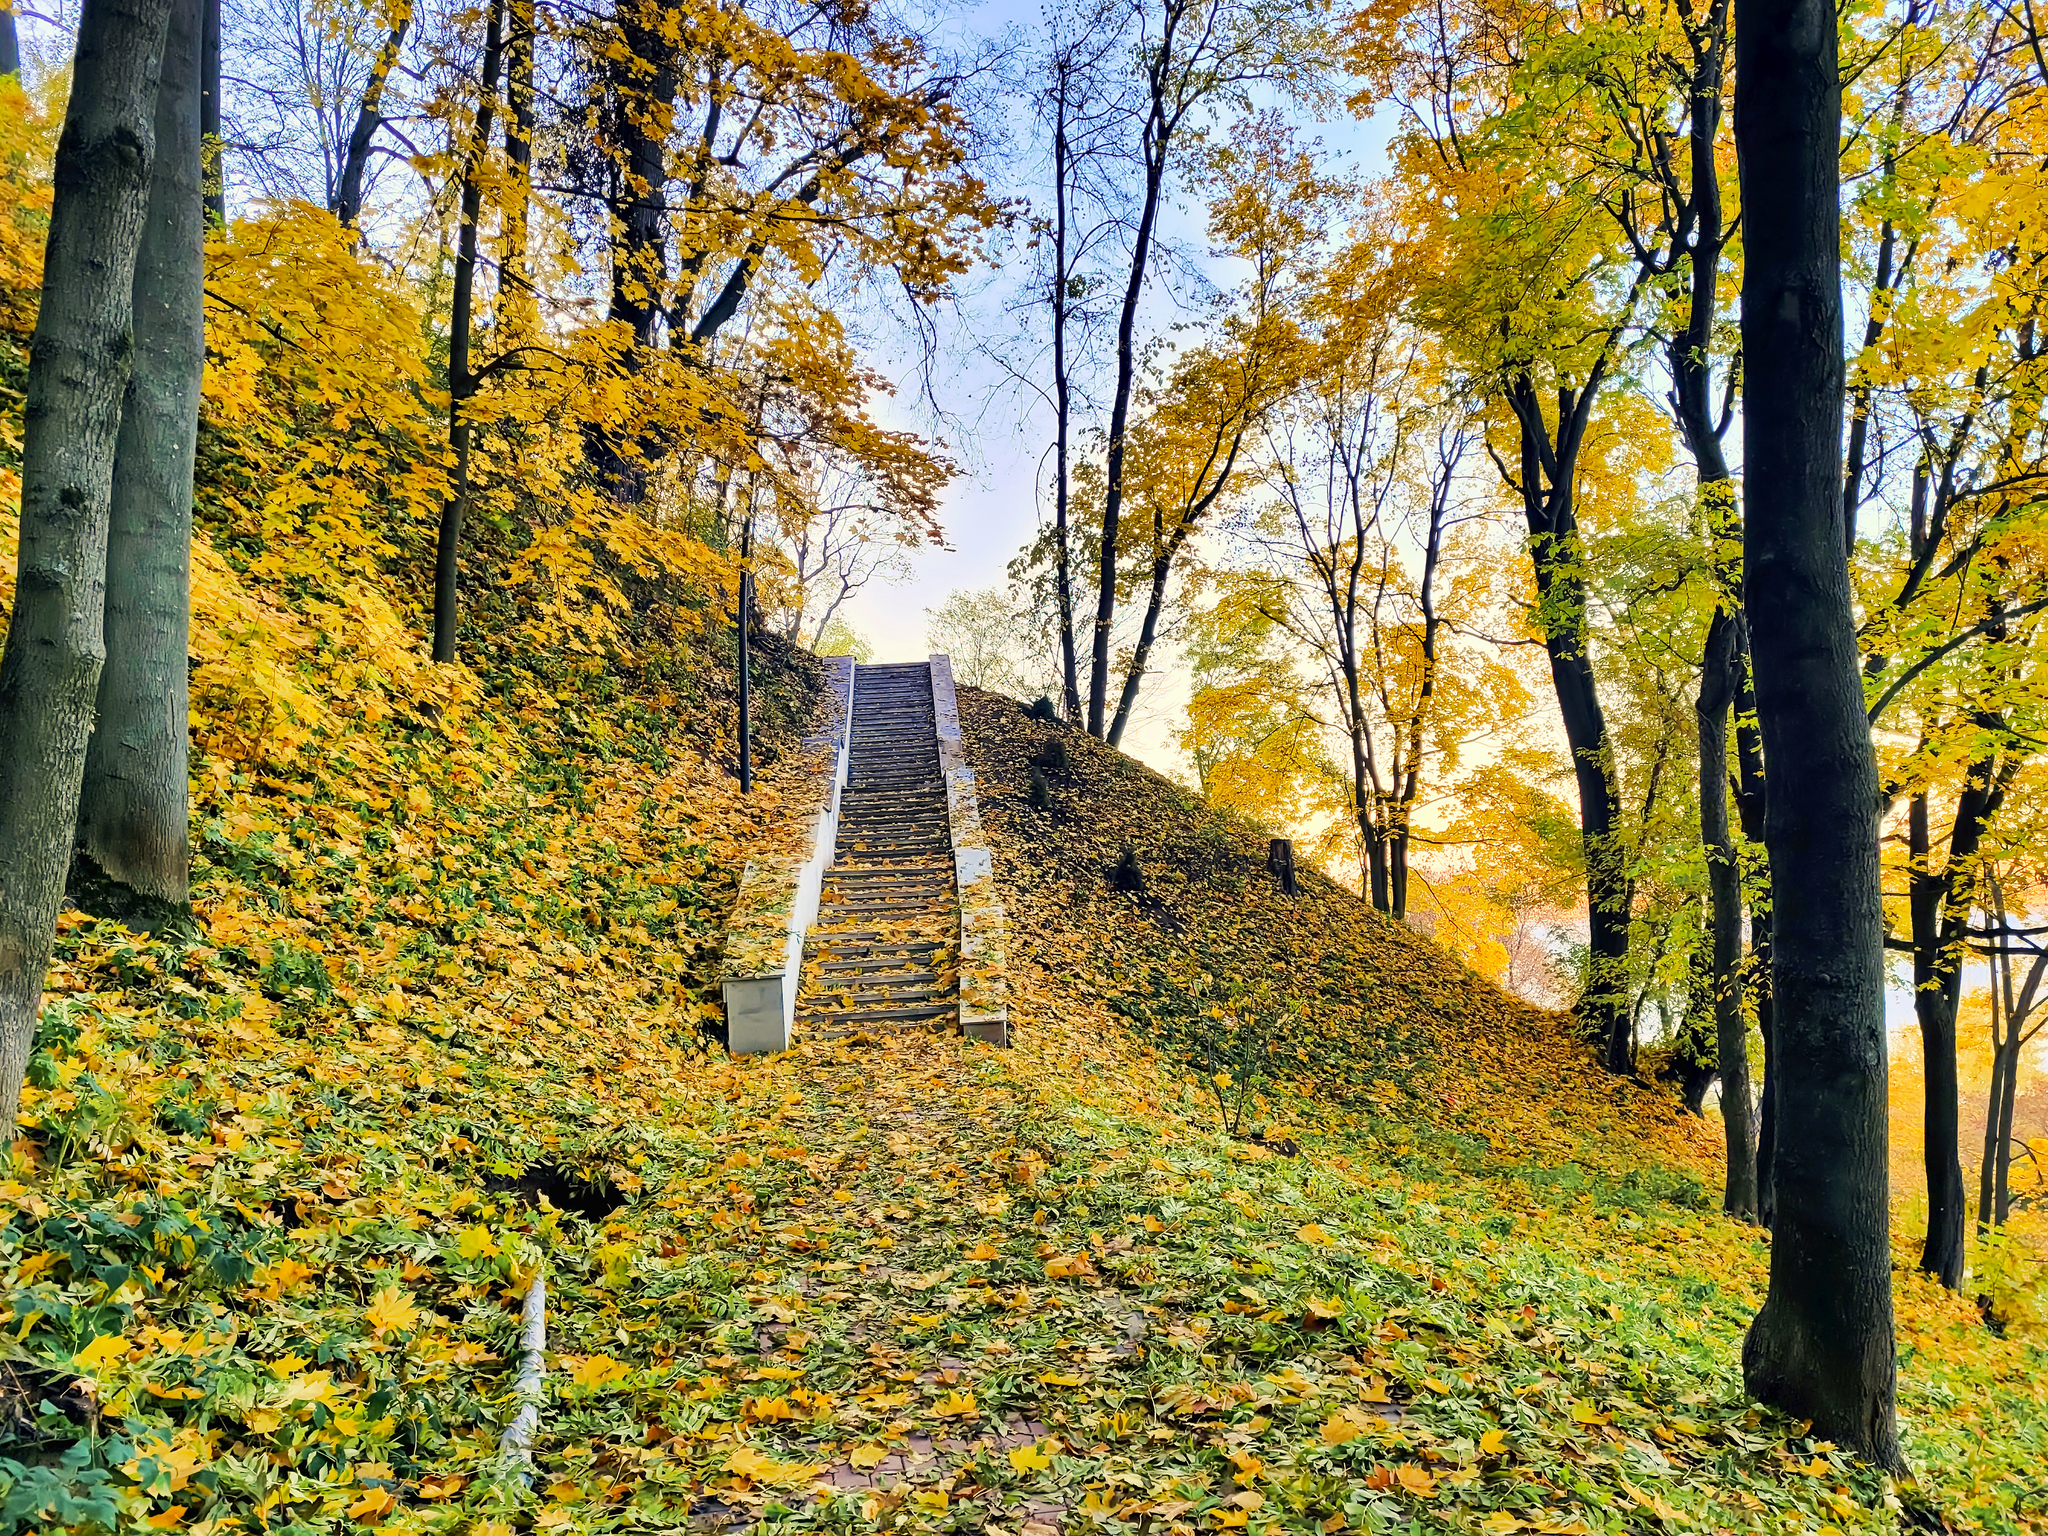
[(278, 1219)]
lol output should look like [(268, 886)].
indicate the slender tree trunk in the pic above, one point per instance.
[(1548, 475), (1063, 406), (1157, 147), (2002, 1204), (1148, 634), (1822, 1346), (1603, 1007), (746, 626), (1987, 1173), (1724, 894), (78, 372), (1365, 777), (10, 45), (355, 163), (519, 315), (462, 383), (1939, 904), (643, 87), (1169, 547), (215, 165), (1750, 804), (134, 805), (1936, 991)]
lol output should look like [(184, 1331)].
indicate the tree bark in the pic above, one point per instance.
[(1724, 895), (1063, 399), (2001, 1086), (1162, 122), (1548, 475), (355, 164), (134, 805), (1939, 904), (1822, 1347), (10, 45), (519, 314), (215, 168), (462, 382), (642, 82), (1750, 800), (1169, 545), (78, 371)]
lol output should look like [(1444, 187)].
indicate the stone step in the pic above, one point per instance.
[(883, 950), (881, 1015)]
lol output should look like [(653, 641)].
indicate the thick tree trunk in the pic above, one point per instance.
[(10, 45), (1724, 894), (462, 382), (134, 806), (78, 371), (1822, 1346)]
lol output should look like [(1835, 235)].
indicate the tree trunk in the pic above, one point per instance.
[(518, 312), (215, 167), (1724, 894), (355, 164), (1603, 1007), (1822, 1346), (1939, 905), (2002, 1201), (10, 45), (78, 371), (1063, 406), (1157, 145), (1750, 800), (643, 89), (2001, 1086), (1936, 991), (462, 383), (134, 805), (1556, 556)]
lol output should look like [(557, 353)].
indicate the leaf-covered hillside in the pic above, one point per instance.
[(1376, 1027), (292, 1174)]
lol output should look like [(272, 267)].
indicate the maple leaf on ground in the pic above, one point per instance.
[(391, 1311)]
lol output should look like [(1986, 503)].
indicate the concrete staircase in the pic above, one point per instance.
[(883, 953)]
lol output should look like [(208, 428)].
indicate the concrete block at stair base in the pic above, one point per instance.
[(756, 1016), (778, 897), (988, 1028)]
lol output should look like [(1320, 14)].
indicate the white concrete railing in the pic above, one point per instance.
[(778, 900), (984, 977)]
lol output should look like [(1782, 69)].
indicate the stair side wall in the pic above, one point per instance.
[(778, 899), (984, 976)]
